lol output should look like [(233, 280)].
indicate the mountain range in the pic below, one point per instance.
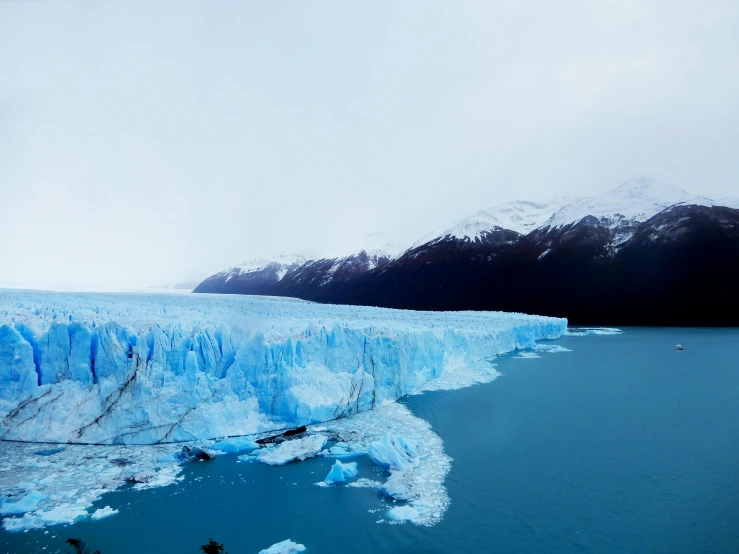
[(644, 253)]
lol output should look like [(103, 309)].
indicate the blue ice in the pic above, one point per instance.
[(145, 369), (341, 472), (22, 504)]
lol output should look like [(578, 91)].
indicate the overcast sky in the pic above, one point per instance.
[(145, 143)]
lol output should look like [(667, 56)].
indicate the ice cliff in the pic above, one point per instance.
[(145, 369)]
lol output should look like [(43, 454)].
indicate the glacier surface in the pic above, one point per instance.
[(150, 369)]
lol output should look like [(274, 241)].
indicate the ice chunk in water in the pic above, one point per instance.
[(21, 505), (527, 355), (62, 513), (394, 452), (341, 473), (234, 444), (586, 331), (103, 512), (284, 547), (292, 450), (403, 513)]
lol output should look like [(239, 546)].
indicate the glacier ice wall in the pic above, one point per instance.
[(144, 369)]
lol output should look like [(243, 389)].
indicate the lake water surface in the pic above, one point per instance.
[(622, 445)]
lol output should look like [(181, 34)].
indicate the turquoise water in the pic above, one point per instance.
[(622, 445)]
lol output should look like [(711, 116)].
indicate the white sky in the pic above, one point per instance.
[(153, 142)]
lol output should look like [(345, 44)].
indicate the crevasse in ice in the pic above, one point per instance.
[(144, 369)]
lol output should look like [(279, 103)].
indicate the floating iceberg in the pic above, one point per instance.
[(587, 331), (365, 483), (284, 547), (60, 488), (400, 457), (292, 450), (22, 504), (551, 348), (403, 513), (527, 355), (150, 369), (394, 453), (234, 444), (61, 513), (103, 512), (341, 450), (341, 473), (413, 454)]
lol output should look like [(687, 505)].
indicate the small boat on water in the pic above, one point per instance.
[(678, 346)]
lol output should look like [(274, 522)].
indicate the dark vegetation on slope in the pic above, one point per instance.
[(681, 267), (80, 547)]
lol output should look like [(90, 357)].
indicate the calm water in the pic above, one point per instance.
[(623, 445)]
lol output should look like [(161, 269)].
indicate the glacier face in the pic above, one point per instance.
[(145, 369)]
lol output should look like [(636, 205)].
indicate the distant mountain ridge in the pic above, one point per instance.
[(511, 257), (264, 275)]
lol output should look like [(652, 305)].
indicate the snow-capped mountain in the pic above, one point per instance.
[(375, 245), (312, 268), (279, 265), (520, 216), (672, 270), (726, 201), (632, 202), (483, 261), (619, 210)]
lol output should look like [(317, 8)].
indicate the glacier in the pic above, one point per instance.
[(215, 371), (148, 369)]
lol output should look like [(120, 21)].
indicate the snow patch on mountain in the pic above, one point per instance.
[(632, 202), (375, 245), (372, 250), (281, 264), (726, 201)]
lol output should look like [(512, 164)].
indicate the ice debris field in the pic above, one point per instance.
[(125, 369)]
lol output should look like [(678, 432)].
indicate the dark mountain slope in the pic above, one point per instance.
[(680, 267)]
